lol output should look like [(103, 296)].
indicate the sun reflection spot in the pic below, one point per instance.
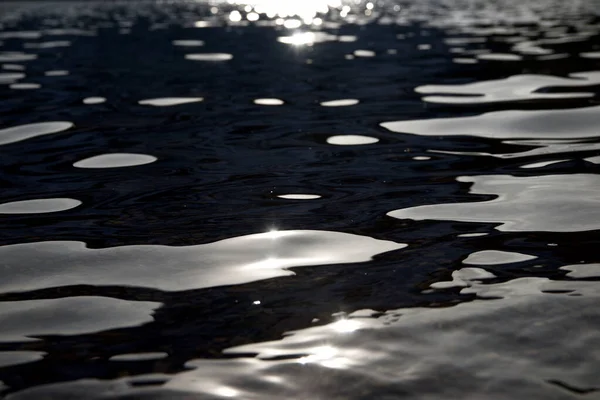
[(235, 16), (345, 326), (298, 39), (274, 234), (225, 391)]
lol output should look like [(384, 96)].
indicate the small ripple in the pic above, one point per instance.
[(16, 57), (56, 73), (299, 196), (94, 100), (209, 57), (10, 77), (39, 206), (496, 257), (170, 101), (340, 103), (364, 53), (25, 86), (499, 57), (188, 43), (28, 131), (269, 102), (115, 160), (351, 140)]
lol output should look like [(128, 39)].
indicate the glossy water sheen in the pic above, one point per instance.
[(317, 199)]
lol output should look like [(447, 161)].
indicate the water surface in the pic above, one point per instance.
[(308, 200)]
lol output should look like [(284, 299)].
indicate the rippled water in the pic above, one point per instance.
[(303, 200)]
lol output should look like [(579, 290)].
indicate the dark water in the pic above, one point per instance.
[(378, 201)]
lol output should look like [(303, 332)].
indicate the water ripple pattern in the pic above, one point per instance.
[(317, 199)]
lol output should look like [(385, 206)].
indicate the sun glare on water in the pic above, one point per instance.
[(305, 9)]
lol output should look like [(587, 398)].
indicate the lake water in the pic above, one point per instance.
[(300, 200)]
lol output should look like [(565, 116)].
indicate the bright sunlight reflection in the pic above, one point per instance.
[(305, 9), (298, 39), (345, 326)]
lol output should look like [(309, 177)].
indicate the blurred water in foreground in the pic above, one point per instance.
[(304, 200)]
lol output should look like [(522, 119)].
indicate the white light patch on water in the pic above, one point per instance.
[(306, 10), (514, 88), (580, 271), (209, 57), (20, 35), (464, 277), (56, 73), (23, 132), (25, 86), (364, 53), (499, 57), (47, 45), (473, 347), (591, 54), (10, 77), (10, 358), (39, 206), (593, 160), (23, 320), (346, 325), (541, 164), (550, 203), (13, 67), (340, 103), (347, 38), (510, 124), (351, 140), (307, 38), (139, 357), (459, 41), (115, 160), (94, 100), (14, 56), (421, 158), (69, 32), (469, 235), (299, 196), (170, 101), (464, 60), (496, 257), (268, 102), (231, 261), (188, 43)]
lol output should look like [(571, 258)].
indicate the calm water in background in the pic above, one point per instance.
[(360, 201)]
